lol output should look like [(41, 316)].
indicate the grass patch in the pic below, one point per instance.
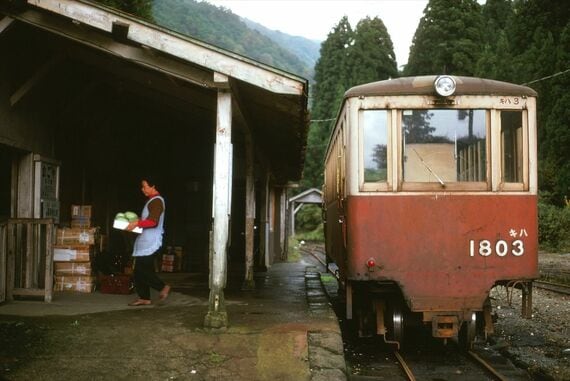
[(294, 253)]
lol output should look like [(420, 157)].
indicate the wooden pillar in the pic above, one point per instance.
[(25, 186), (283, 223), (273, 241), (249, 283), (221, 207), (264, 222)]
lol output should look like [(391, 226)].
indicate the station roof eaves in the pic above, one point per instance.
[(184, 47), (277, 100), (306, 195)]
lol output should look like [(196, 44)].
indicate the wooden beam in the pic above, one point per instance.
[(5, 23), (166, 88), (141, 55), (34, 79), (185, 48)]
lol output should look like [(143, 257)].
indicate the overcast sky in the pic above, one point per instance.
[(314, 19)]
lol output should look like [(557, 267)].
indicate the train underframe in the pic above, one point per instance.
[(379, 308)]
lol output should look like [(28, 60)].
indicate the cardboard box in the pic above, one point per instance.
[(72, 268), (122, 225), (81, 222), (72, 253), (76, 236), (74, 283), (81, 211)]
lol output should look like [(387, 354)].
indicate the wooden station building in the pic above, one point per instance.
[(92, 98)]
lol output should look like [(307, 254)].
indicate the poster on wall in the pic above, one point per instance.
[(47, 189)]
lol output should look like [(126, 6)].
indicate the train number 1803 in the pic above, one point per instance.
[(501, 248)]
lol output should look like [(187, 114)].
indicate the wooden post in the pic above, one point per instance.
[(10, 262), (3, 250), (264, 222), (49, 264), (249, 283), (283, 223), (221, 208), (272, 241)]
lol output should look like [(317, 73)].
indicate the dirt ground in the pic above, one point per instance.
[(266, 338), (541, 344)]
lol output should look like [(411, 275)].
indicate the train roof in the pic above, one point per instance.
[(423, 85)]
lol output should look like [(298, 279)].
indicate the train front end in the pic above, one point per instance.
[(436, 202)]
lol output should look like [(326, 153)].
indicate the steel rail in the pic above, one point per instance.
[(405, 366), (486, 365), (555, 287), (312, 253)]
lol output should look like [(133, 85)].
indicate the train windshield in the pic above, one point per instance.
[(443, 146)]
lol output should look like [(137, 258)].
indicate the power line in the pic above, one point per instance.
[(547, 77)]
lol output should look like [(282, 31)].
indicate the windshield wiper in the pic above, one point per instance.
[(429, 169)]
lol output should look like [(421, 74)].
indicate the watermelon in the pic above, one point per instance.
[(131, 216)]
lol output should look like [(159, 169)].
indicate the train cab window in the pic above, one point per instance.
[(375, 145), (511, 147), (444, 146)]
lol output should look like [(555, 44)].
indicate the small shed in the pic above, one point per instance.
[(91, 98), (310, 196)]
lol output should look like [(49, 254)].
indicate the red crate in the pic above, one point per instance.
[(116, 284)]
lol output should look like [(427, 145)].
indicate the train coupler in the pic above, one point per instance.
[(445, 326)]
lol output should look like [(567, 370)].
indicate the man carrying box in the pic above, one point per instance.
[(148, 244)]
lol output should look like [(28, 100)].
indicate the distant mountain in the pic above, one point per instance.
[(222, 28), (307, 50)]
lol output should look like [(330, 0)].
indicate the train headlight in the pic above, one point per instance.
[(445, 85)]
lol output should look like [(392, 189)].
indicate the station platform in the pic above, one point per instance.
[(284, 329)]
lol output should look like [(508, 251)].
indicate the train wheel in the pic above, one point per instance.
[(469, 330), (395, 320)]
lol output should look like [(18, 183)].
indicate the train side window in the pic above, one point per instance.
[(443, 146), (511, 147), (375, 145)]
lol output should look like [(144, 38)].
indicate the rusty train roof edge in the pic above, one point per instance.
[(423, 85)]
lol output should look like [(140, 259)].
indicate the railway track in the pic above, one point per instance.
[(370, 359), (449, 365), (555, 287)]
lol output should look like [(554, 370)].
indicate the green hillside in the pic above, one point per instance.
[(222, 28), (307, 50)]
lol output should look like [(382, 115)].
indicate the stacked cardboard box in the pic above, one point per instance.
[(74, 250), (80, 216), (173, 261), (76, 236), (74, 283)]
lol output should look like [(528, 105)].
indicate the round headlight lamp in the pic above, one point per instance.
[(444, 85)]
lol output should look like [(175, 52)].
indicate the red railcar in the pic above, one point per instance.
[(430, 200)]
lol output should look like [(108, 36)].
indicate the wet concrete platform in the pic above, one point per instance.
[(284, 329)]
